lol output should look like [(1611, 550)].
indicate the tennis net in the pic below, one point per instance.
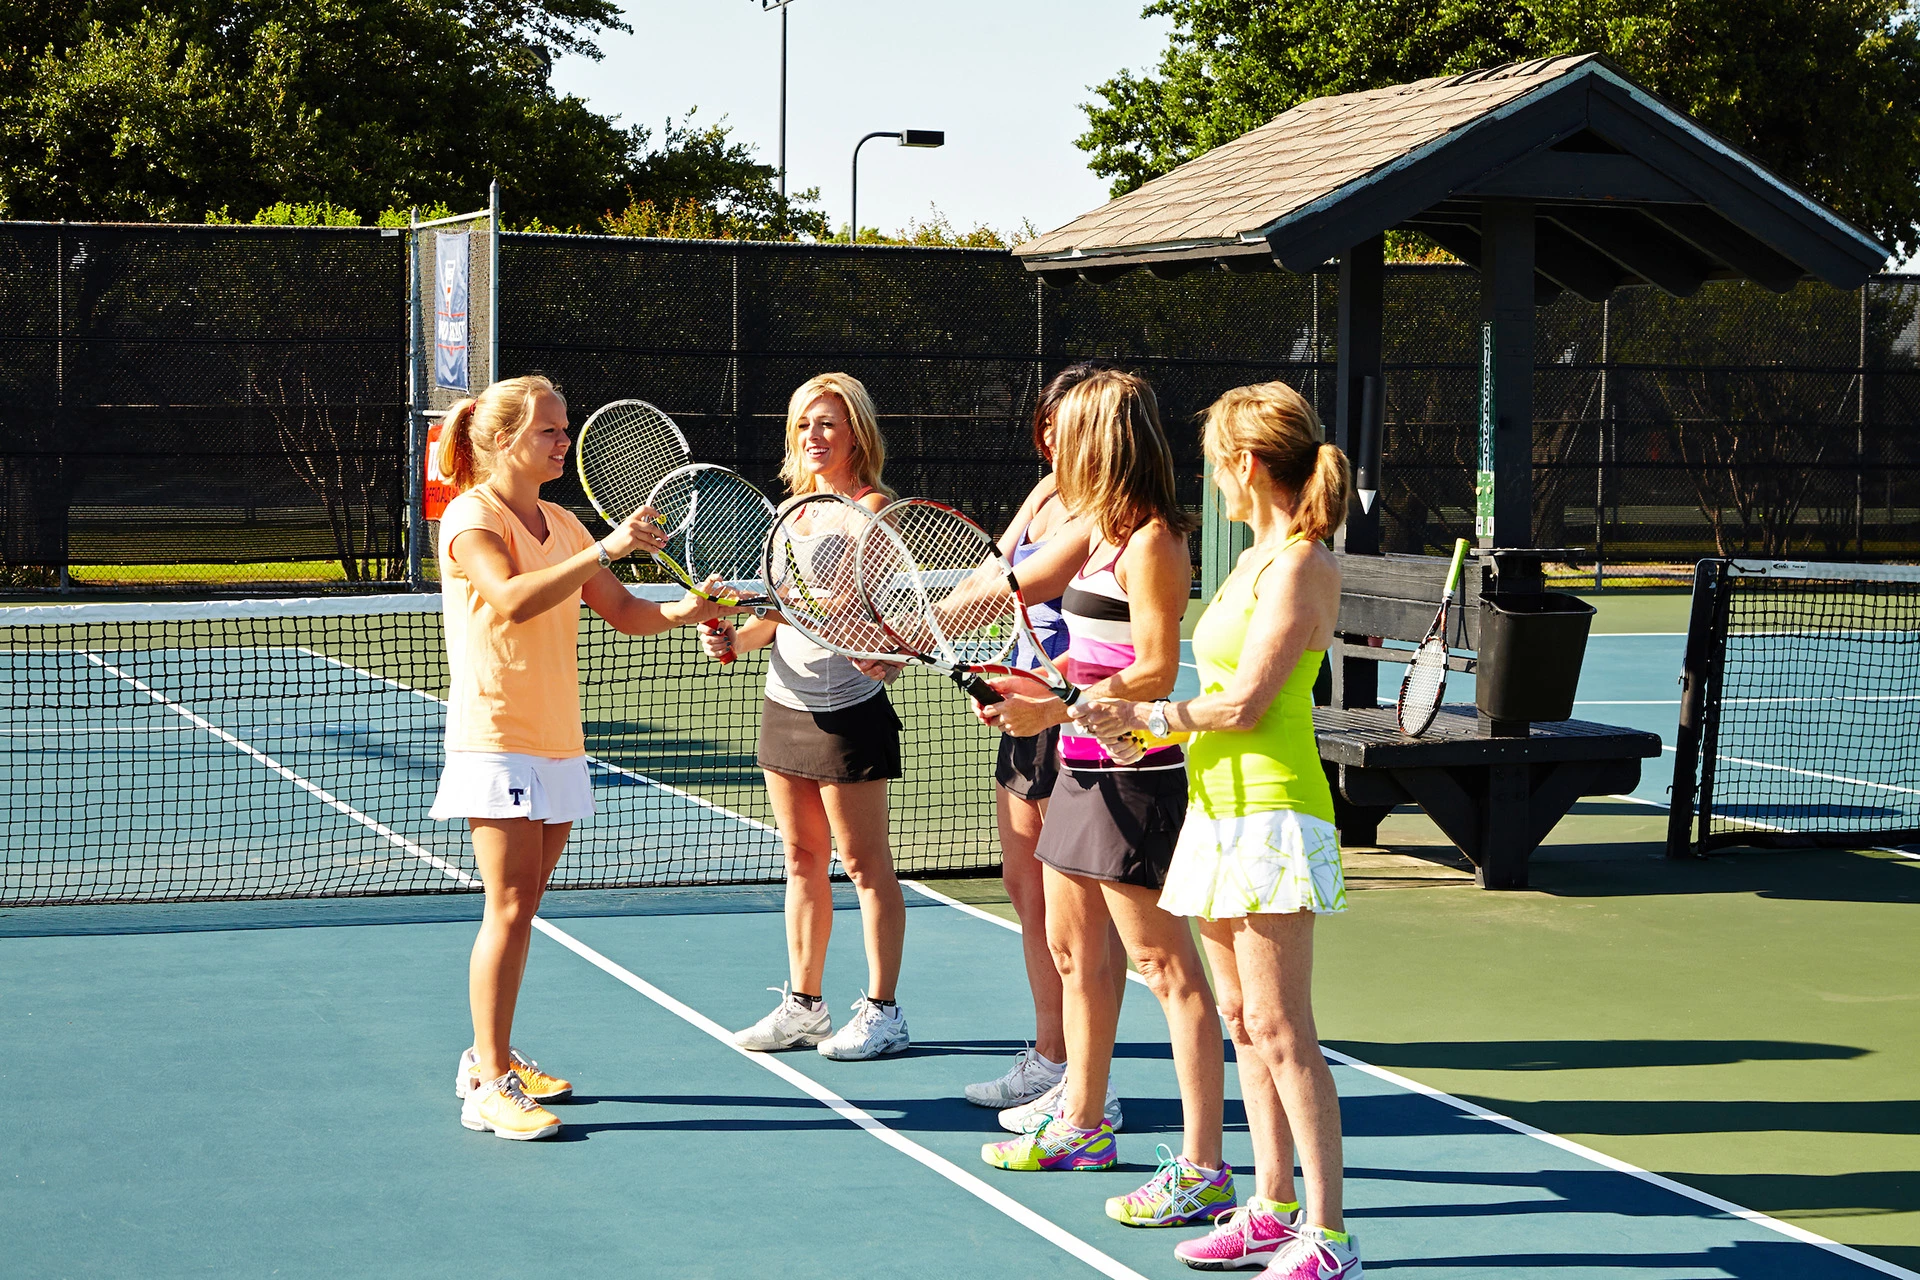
[(1800, 716), (291, 748)]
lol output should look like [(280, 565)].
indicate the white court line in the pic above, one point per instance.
[(1047, 1230), (1474, 1109)]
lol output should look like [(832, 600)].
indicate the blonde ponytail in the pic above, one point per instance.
[(454, 459), (1274, 423), (474, 432)]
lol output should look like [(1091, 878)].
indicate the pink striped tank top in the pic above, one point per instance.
[(1099, 625)]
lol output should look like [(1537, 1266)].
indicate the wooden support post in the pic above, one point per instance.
[(1358, 344), (1507, 306)]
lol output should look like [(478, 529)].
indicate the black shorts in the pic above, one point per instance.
[(860, 743), (1028, 767), (1118, 824)]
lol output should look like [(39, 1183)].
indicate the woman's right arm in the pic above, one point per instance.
[(519, 597)]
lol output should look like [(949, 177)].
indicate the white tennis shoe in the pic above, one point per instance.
[(1030, 1076), (791, 1025), (1029, 1116), (874, 1030)]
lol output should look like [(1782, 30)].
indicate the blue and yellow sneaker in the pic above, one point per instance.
[(1054, 1146), (1178, 1193)]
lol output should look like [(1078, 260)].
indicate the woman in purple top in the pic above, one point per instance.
[(1025, 775)]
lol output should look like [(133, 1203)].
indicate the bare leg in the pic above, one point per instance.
[(857, 813), (805, 836), (1020, 872), (1266, 1119), (1274, 957), (1078, 930), (515, 857), (1162, 949)]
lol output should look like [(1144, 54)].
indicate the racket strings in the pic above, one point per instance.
[(626, 449), (813, 573), (717, 523), (1421, 689), (934, 580)]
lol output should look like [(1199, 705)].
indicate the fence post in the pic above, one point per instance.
[(1860, 438), (1600, 454), (416, 437)]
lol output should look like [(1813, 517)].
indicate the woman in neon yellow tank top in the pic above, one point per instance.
[(1258, 857)]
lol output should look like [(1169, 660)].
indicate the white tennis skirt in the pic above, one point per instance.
[(1277, 861), (486, 784)]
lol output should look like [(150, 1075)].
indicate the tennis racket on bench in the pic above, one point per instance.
[(1426, 680)]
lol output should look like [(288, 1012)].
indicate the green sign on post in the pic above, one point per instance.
[(1483, 489)]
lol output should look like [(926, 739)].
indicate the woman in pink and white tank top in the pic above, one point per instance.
[(1111, 826)]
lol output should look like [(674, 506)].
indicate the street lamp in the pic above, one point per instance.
[(908, 138), (781, 5)]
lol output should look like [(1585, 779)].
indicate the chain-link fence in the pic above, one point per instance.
[(236, 398)]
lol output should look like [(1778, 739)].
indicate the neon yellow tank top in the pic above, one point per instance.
[(1275, 764)]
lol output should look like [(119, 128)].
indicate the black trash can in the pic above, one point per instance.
[(1531, 648)]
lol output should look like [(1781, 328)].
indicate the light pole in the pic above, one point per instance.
[(781, 5), (908, 138)]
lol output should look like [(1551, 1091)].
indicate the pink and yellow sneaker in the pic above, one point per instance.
[(1313, 1254), (1054, 1146), (1245, 1239), (1178, 1193)]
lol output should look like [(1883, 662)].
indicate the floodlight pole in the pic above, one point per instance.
[(781, 5), (907, 138)]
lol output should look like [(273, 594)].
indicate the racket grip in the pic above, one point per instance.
[(713, 629), (982, 692)]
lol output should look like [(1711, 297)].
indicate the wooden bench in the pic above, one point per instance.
[(1496, 788)]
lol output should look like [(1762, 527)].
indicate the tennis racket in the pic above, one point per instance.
[(1426, 679), (626, 448), (810, 569), (948, 599), (716, 523)]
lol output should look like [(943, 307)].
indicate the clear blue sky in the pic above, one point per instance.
[(1004, 78)]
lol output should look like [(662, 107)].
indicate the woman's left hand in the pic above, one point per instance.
[(884, 672), (1108, 719)]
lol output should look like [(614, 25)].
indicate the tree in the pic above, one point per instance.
[(1824, 92), (114, 109)]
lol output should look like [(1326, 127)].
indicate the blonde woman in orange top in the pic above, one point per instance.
[(513, 573)]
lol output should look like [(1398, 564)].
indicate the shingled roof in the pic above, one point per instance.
[(1568, 132)]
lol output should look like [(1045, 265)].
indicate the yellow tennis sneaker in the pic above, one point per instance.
[(537, 1084), (504, 1107)]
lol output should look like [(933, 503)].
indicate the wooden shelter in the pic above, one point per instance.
[(1555, 174), (1558, 174)]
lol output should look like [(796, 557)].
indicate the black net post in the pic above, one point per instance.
[(1699, 683)]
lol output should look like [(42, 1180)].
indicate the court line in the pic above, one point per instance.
[(1728, 1207), (1043, 1227)]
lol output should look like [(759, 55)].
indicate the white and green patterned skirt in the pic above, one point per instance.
[(1278, 861)]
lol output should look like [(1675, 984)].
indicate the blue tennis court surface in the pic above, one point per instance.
[(254, 1101)]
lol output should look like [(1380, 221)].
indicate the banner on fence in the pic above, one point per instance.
[(438, 491), (452, 267), (1483, 483)]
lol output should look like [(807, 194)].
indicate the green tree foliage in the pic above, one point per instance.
[(118, 109), (1825, 92)]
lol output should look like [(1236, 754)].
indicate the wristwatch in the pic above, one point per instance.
[(606, 561), (1157, 719)]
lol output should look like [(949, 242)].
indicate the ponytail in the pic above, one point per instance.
[(1271, 421), (1322, 505), (471, 431), (453, 458)]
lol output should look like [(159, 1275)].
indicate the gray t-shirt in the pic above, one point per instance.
[(809, 677)]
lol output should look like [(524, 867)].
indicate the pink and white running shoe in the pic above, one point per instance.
[(1245, 1239), (1311, 1256)]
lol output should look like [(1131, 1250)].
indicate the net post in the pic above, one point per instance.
[(416, 437), (1698, 686)]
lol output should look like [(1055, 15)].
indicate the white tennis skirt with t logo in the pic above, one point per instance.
[(485, 784)]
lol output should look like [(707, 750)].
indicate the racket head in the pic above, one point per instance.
[(937, 584), (716, 522), (626, 447), (1422, 687), (811, 569)]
